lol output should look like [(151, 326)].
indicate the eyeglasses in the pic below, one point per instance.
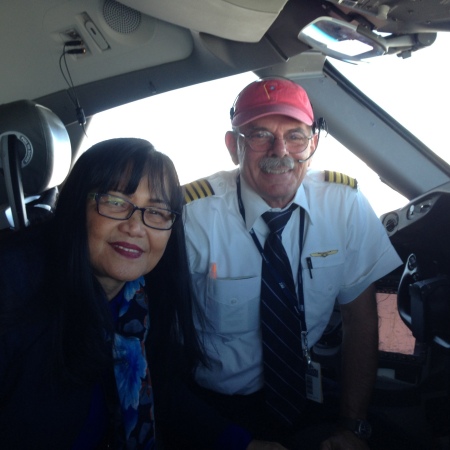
[(261, 141), (118, 208)]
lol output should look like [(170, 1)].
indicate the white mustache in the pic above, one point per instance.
[(274, 164)]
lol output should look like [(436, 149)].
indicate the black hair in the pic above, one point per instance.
[(84, 318)]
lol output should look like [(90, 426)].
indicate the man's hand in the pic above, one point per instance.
[(344, 440), (265, 445)]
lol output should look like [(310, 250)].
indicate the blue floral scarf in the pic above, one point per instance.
[(131, 371)]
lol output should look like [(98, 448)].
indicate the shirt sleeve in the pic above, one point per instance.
[(369, 254)]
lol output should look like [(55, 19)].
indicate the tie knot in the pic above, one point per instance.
[(276, 221)]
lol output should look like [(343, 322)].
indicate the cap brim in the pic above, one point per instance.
[(267, 110)]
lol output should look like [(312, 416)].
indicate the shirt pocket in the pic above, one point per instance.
[(326, 274), (232, 305)]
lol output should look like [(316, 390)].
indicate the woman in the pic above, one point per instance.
[(94, 301)]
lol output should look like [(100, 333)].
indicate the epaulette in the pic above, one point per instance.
[(340, 178), (197, 189)]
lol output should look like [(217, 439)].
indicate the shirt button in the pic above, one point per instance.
[(233, 301)]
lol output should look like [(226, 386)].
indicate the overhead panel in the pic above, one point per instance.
[(237, 20)]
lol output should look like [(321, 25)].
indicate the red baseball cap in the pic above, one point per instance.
[(272, 96)]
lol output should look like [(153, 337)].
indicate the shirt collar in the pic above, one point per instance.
[(255, 206)]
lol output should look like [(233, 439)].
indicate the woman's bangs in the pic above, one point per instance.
[(126, 174), (159, 182)]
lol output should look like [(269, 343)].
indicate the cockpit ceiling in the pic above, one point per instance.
[(243, 34), (249, 20), (238, 20), (399, 16)]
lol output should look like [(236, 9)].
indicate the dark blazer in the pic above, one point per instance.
[(38, 410)]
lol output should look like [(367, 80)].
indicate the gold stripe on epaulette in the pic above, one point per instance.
[(340, 178), (197, 189)]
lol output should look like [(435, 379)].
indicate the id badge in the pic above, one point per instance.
[(314, 382)]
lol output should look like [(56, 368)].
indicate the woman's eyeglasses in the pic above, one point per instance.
[(119, 208)]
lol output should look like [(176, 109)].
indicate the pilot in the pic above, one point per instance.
[(272, 246)]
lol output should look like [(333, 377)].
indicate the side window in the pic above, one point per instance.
[(331, 155), (187, 124)]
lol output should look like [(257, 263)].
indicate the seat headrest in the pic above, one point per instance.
[(44, 146)]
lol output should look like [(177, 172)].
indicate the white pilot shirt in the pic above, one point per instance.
[(347, 244)]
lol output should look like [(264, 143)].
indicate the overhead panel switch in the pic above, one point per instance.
[(96, 35)]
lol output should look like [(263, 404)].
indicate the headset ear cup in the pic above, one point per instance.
[(233, 107), (323, 125), (319, 125)]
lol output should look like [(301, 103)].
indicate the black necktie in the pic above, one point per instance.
[(284, 378)]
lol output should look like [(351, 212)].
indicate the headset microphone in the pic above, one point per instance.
[(306, 159)]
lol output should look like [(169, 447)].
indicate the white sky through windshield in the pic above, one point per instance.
[(415, 90), (189, 124)]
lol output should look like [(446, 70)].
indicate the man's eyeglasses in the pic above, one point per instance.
[(118, 208), (262, 141)]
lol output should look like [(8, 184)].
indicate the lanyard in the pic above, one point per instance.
[(298, 301)]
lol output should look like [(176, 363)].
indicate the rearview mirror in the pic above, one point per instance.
[(342, 40)]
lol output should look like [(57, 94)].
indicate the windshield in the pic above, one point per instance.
[(189, 124), (413, 90)]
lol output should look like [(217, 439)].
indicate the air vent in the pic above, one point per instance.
[(121, 18), (390, 222)]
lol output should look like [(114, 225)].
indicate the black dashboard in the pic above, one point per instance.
[(420, 232), (422, 227)]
